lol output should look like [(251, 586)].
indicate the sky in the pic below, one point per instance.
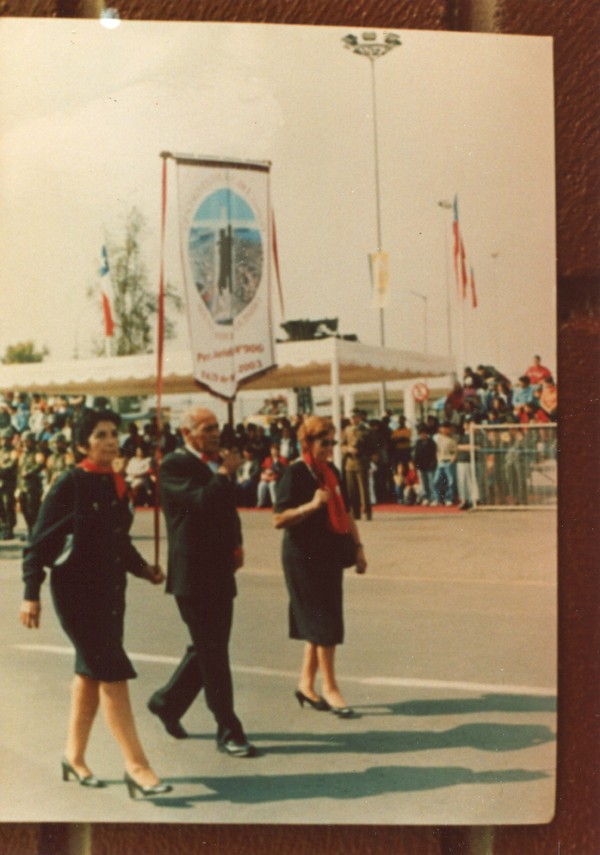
[(85, 112)]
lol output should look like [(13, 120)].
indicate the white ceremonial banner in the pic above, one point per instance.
[(225, 239)]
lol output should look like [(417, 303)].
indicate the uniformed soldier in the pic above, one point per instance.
[(8, 485), (30, 480), (357, 450), (60, 459)]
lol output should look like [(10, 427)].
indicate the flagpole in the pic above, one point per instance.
[(463, 346), (495, 255), (447, 206)]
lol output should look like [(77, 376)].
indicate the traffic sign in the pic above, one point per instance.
[(420, 392)]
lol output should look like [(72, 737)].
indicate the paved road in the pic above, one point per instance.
[(449, 661)]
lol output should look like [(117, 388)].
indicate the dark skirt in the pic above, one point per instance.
[(316, 598), (93, 621)]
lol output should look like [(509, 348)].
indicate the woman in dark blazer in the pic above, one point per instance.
[(82, 535), (313, 513)]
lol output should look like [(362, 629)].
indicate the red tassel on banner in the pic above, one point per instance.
[(160, 335)]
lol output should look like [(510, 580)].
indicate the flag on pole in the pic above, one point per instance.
[(225, 232), (463, 270), (107, 295), (460, 260), (473, 291), (380, 278), (457, 241)]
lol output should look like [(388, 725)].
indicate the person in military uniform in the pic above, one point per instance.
[(60, 459), (8, 485), (357, 449), (30, 479)]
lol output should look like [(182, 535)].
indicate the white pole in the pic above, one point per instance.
[(409, 404), (335, 403)]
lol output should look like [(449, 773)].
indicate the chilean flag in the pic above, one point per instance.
[(473, 291), (457, 240), (107, 295), (460, 263)]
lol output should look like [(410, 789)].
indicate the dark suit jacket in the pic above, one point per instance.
[(203, 527)]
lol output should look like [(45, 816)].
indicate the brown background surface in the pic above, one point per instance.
[(575, 26)]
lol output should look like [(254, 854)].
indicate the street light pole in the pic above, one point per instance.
[(368, 45)]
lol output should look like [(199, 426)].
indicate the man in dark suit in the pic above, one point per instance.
[(197, 489)]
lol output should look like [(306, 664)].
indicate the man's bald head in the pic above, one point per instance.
[(200, 429)]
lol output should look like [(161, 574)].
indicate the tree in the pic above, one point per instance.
[(135, 301), (23, 351)]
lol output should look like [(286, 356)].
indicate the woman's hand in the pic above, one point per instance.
[(154, 573), (321, 497), (29, 613), (361, 560)]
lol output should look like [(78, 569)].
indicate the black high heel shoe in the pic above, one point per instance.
[(343, 712), (84, 780), (134, 788), (321, 705)]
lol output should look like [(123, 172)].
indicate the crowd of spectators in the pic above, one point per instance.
[(38, 442), (427, 463)]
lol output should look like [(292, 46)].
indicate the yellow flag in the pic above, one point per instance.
[(380, 278)]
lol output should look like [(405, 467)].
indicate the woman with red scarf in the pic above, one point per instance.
[(312, 511), (82, 534)]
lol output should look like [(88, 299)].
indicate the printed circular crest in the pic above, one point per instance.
[(225, 248)]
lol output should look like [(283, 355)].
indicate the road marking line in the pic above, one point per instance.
[(406, 682), (444, 580)]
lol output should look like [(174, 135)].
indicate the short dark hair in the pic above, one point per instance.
[(90, 419)]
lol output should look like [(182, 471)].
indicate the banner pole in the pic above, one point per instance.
[(160, 335)]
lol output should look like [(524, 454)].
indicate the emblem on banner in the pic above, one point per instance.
[(226, 253)]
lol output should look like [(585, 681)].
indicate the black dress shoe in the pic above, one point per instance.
[(172, 725), (236, 747)]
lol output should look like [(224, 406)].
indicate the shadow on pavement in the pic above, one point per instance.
[(374, 781), (481, 736), (485, 703)]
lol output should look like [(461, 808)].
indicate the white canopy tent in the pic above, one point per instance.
[(325, 362), (330, 362)]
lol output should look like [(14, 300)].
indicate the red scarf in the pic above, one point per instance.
[(118, 479), (337, 517)]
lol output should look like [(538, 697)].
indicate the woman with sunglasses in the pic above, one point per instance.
[(312, 511)]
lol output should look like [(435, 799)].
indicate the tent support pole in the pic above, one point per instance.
[(335, 404)]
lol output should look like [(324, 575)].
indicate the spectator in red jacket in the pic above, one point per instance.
[(270, 472), (537, 372)]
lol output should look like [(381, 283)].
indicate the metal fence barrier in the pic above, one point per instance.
[(514, 465)]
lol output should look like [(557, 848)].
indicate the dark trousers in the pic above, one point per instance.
[(357, 485), (205, 665)]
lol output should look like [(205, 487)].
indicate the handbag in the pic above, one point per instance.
[(347, 550)]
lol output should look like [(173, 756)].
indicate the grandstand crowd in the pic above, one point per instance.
[(427, 463)]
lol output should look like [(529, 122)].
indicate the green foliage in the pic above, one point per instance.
[(23, 351), (135, 301)]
